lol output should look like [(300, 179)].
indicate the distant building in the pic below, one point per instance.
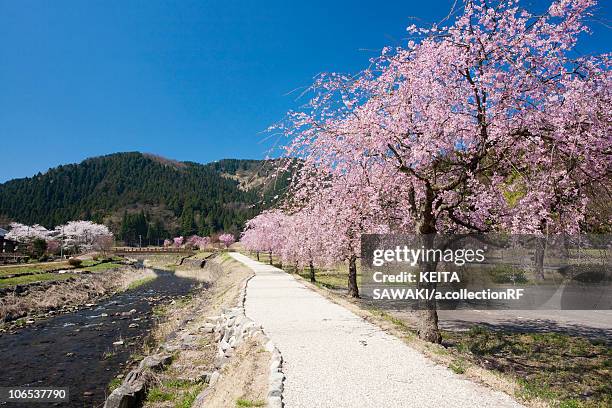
[(6, 246)]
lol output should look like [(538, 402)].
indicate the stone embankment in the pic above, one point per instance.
[(231, 329)]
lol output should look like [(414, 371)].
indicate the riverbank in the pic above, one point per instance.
[(196, 375), (23, 304), (88, 347)]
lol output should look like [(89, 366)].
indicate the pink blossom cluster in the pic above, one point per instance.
[(194, 242), (198, 242), (227, 239)]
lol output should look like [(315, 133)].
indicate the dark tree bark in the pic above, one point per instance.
[(270, 257), (540, 249), (312, 272), (258, 255), (427, 328), (353, 290)]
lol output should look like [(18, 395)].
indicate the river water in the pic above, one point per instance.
[(76, 350)]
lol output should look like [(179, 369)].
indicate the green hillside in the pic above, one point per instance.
[(141, 194)]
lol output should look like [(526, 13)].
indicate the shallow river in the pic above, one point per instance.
[(76, 350)]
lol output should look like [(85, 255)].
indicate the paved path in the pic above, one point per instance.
[(333, 358)]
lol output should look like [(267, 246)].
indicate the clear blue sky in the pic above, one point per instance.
[(189, 80)]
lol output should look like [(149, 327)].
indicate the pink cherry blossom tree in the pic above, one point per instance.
[(198, 242), (227, 239), (266, 233), (203, 243), (488, 124), (178, 241)]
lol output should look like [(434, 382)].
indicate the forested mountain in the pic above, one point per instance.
[(141, 194)]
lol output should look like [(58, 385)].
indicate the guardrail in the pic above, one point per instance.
[(148, 250), (12, 258)]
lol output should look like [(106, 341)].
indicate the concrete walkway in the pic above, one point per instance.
[(333, 358)]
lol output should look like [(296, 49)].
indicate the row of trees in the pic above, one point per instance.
[(197, 242), (74, 236), (488, 124)]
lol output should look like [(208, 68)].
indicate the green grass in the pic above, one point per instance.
[(179, 383), (569, 370), (183, 301), (241, 402), (160, 311), (140, 282), (458, 366), (114, 384), (33, 268), (156, 394), (531, 389), (40, 268), (107, 354), (182, 392), (189, 397), (97, 267), (40, 277), (335, 278), (331, 279)]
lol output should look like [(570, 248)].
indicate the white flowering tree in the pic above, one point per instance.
[(84, 236), (26, 234)]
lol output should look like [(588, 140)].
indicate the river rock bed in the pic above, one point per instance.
[(85, 349)]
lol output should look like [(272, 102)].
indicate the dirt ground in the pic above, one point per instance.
[(243, 381)]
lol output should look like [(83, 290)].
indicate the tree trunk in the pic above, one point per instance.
[(428, 314), (270, 257), (540, 249), (353, 290), (257, 255), (428, 325), (427, 328), (312, 273)]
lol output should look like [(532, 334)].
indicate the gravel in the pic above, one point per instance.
[(333, 358)]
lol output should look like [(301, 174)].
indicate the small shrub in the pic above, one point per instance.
[(39, 246), (75, 262)]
